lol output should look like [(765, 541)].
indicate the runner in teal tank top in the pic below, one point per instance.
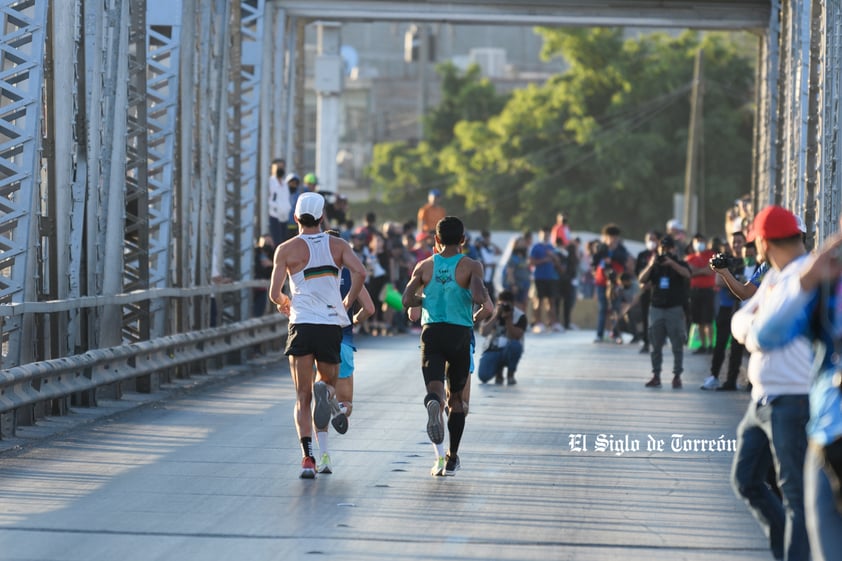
[(445, 287), (444, 300)]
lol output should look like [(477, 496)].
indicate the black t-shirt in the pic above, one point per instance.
[(642, 260), (669, 289)]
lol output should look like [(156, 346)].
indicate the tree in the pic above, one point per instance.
[(605, 141), (402, 174)]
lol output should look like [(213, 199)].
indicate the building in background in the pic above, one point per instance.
[(380, 100)]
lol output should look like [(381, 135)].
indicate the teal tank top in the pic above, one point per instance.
[(444, 300)]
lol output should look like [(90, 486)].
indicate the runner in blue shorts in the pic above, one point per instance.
[(342, 404)]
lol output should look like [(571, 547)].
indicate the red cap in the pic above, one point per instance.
[(775, 223)]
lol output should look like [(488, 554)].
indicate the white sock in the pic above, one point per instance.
[(321, 436), (439, 450)]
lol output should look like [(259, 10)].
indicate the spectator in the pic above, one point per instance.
[(489, 254), (339, 212), (516, 274), (609, 262), (503, 347), (730, 276), (279, 206), (586, 268), (561, 231), (772, 431), (702, 293), (807, 307), (294, 187), (628, 310), (667, 273), (431, 213), (264, 253), (568, 279), (311, 182), (653, 239), (675, 229), (545, 277)]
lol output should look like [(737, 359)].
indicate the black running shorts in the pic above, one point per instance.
[(324, 342), (446, 354)]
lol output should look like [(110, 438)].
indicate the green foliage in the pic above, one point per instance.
[(605, 141)]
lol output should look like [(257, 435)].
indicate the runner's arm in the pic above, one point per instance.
[(411, 297), (479, 293), (351, 262), (279, 277), (366, 306)]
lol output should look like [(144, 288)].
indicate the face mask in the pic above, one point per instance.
[(651, 245), (699, 247)]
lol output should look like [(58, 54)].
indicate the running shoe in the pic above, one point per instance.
[(321, 411), (435, 426), (710, 383), (438, 468), (340, 419), (452, 465), (308, 468), (324, 464)]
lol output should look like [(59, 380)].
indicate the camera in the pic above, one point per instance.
[(721, 261), (661, 259), (505, 307)]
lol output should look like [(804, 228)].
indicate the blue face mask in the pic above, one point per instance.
[(700, 246)]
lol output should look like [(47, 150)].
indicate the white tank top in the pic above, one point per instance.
[(315, 288)]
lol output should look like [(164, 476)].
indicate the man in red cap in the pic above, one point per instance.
[(773, 429)]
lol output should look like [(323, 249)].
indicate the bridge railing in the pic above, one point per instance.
[(50, 387)]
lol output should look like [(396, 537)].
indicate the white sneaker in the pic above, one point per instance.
[(710, 383), (557, 328), (538, 328), (324, 464)]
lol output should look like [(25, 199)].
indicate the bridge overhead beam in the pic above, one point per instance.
[(696, 14)]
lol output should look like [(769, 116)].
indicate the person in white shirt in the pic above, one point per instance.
[(773, 429), (317, 313), (279, 202)]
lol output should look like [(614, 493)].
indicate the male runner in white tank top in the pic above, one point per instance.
[(317, 312)]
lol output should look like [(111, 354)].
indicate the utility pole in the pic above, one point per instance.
[(694, 141)]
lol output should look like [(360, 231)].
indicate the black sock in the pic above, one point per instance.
[(455, 426), (307, 446)]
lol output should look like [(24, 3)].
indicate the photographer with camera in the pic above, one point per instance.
[(504, 341), (610, 260), (667, 275), (730, 278)]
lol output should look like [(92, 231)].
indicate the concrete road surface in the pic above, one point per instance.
[(213, 474)]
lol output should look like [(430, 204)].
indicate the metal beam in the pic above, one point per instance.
[(22, 37), (163, 25), (697, 14)]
